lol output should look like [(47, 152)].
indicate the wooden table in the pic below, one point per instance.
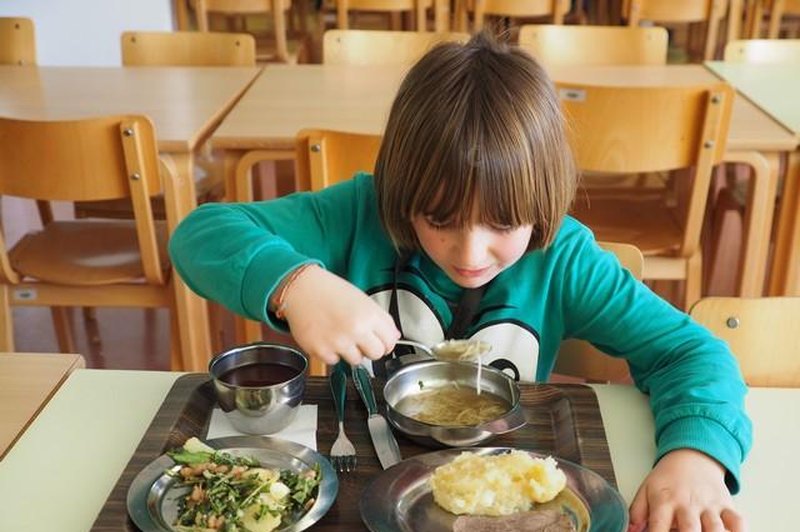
[(185, 104), (27, 382), (775, 88), (93, 425), (286, 99)]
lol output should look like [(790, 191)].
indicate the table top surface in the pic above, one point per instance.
[(772, 87), (184, 103), (288, 98), (27, 382), (98, 417)]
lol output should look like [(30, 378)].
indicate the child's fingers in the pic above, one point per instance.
[(687, 519), (371, 346), (638, 511), (661, 518), (388, 335), (712, 521), (733, 521)]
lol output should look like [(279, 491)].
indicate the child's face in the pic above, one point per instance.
[(473, 255)]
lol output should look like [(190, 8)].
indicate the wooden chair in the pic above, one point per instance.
[(279, 47), (761, 332), (181, 48), (775, 10), (594, 45), (578, 358), (482, 9), (78, 262), (663, 129), (711, 12), (778, 10), (395, 8), (326, 157), (187, 48), (17, 41), (374, 47), (763, 51)]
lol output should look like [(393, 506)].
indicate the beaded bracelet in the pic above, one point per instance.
[(280, 306)]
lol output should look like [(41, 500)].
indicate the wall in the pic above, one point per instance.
[(86, 32)]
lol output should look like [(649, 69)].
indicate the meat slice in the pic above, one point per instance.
[(533, 521)]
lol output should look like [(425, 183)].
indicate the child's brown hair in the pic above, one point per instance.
[(475, 122)]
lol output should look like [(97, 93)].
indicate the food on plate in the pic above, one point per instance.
[(235, 493), (549, 520), (500, 484), (453, 406)]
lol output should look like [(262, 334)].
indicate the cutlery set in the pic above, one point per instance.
[(343, 453)]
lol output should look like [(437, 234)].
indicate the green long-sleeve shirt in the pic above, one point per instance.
[(237, 254)]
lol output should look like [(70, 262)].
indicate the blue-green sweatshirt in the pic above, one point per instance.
[(237, 254)]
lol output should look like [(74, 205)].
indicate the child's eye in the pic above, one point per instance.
[(502, 228), (437, 224)]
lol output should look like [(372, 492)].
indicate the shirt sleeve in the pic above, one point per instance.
[(695, 385), (237, 253)]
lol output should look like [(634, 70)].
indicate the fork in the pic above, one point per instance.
[(343, 453)]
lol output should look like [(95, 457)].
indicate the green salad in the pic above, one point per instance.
[(235, 494)]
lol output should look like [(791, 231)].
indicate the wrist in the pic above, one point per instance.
[(279, 301)]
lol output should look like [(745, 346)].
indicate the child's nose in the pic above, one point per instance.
[(473, 246)]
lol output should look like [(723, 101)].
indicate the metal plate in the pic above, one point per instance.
[(153, 497), (400, 498)]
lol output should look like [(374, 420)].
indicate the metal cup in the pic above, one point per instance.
[(260, 408)]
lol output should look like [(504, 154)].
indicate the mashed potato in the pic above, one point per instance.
[(496, 485)]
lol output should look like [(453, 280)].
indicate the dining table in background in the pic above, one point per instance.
[(184, 103), (775, 89), (287, 98), (62, 470), (27, 382)]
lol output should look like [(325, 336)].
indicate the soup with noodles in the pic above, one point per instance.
[(453, 406)]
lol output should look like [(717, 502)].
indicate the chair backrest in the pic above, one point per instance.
[(680, 11), (761, 332), (650, 129), (594, 45), (668, 11), (417, 7), (278, 9), (763, 51), (17, 41), (578, 358), (376, 47), (778, 9), (520, 8), (187, 48), (85, 160), (327, 157)]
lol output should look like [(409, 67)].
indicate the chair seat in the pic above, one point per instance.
[(84, 252), (647, 223)]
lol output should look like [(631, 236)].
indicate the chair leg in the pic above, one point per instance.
[(6, 321), (62, 325), (175, 358), (247, 331), (91, 326), (694, 280)]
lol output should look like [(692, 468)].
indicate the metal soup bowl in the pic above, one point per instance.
[(430, 375), (269, 403)]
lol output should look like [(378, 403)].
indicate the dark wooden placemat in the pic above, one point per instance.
[(563, 420)]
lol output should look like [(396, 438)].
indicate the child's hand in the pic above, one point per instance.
[(330, 318), (685, 491)]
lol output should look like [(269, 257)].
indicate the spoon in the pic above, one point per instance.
[(456, 351), (452, 350)]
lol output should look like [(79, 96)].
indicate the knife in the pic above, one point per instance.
[(382, 438)]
